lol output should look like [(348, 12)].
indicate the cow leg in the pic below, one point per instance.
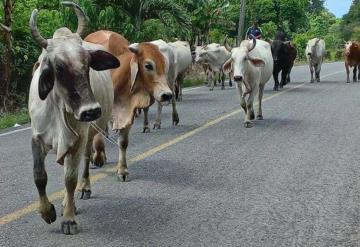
[(249, 106), (284, 74), (84, 186), (276, 80), (260, 96), (231, 75), (222, 74), (317, 72), (175, 115), (355, 74), (157, 124), (180, 81), (212, 80), (242, 99), (347, 73), (146, 128), (46, 209), (288, 79), (71, 167), (312, 73), (122, 170)]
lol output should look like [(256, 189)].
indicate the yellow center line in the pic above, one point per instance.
[(99, 176)]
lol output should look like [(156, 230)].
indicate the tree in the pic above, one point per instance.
[(6, 54)]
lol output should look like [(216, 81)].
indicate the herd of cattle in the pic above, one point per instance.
[(78, 83)]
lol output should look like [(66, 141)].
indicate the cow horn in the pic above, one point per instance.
[(226, 44), (35, 32), (254, 42), (80, 16)]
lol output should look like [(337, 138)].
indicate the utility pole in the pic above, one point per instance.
[(241, 22)]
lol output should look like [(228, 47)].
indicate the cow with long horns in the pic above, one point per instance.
[(252, 65), (71, 87)]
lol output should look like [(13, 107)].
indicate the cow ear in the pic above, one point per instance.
[(46, 79), (134, 48), (228, 66), (257, 62), (102, 60), (134, 67)]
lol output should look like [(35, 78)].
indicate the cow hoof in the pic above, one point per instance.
[(276, 89), (85, 194), (176, 120), (50, 215), (248, 124), (123, 175), (317, 80), (347, 81), (281, 86), (211, 89), (69, 227), (157, 126), (230, 84), (146, 129), (222, 88), (311, 81), (260, 117)]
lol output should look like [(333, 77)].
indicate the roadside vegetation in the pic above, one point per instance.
[(144, 20)]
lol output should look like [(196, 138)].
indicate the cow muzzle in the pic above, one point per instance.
[(89, 113), (165, 97), (238, 78)]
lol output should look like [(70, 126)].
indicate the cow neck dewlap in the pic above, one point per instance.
[(68, 136), (125, 106)]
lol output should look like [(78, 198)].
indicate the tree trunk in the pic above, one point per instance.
[(5, 77), (241, 23)]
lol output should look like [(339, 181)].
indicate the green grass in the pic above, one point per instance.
[(193, 82), (10, 119)]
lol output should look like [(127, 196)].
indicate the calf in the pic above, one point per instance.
[(67, 92), (352, 59), (315, 54)]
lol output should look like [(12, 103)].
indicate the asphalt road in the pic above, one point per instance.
[(291, 180)]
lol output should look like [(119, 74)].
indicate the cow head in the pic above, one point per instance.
[(241, 60), (148, 72), (204, 54), (65, 67), (279, 49), (311, 47), (350, 47)]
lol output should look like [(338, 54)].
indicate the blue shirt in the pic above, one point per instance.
[(256, 31)]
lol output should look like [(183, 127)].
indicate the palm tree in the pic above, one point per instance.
[(139, 11)]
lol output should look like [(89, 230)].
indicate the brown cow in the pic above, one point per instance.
[(139, 80), (352, 59)]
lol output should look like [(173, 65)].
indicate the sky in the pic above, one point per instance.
[(338, 7)]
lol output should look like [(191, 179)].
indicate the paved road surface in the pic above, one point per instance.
[(291, 180)]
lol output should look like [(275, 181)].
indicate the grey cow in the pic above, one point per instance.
[(71, 87), (315, 53)]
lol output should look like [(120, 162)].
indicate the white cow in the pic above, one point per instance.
[(252, 64), (68, 91), (215, 55), (183, 60), (315, 53)]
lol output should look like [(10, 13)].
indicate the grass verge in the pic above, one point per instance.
[(10, 119)]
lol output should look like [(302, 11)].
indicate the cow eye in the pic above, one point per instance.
[(149, 66)]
